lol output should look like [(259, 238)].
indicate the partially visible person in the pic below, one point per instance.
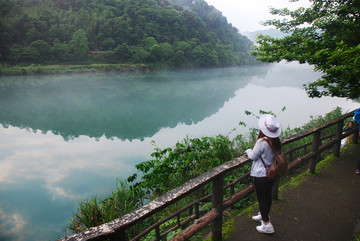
[(357, 119), (348, 127), (263, 154)]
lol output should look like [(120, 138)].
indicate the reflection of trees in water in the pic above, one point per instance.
[(124, 105)]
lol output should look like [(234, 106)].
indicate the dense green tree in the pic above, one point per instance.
[(223, 55), (151, 31), (123, 53), (148, 42), (155, 53), (61, 51), (166, 51), (140, 55), (15, 54), (108, 44), (33, 34), (46, 16), (43, 48), (183, 46), (161, 52), (199, 55), (330, 40), (79, 45), (31, 55), (180, 60), (59, 32), (5, 38)]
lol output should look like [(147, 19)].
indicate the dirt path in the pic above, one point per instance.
[(325, 206)]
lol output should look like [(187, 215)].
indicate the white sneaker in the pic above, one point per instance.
[(268, 229), (257, 218)]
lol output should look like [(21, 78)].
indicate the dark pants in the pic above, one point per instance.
[(263, 188)]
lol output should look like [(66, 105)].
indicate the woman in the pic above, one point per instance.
[(267, 143)]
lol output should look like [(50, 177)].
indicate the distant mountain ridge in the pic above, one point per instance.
[(252, 35), (174, 33)]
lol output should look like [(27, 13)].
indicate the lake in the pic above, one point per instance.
[(66, 138)]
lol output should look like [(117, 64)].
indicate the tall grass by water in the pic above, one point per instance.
[(172, 167), (71, 68)]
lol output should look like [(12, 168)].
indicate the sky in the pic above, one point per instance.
[(246, 15)]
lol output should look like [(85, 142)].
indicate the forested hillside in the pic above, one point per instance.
[(175, 33)]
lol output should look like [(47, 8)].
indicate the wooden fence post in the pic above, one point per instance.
[(232, 192), (217, 201), (338, 134), (119, 235), (315, 148), (356, 134)]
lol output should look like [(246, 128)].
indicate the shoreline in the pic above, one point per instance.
[(38, 69), (35, 69)]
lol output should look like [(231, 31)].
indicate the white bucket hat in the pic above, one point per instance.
[(270, 126)]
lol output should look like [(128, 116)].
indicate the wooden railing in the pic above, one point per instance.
[(116, 230)]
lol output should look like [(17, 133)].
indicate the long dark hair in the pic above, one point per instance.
[(274, 143)]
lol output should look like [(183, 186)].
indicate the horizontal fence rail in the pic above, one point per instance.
[(223, 195)]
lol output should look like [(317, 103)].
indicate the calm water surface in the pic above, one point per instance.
[(66, 138)]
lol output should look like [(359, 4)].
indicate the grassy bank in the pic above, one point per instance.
[(71, 68)]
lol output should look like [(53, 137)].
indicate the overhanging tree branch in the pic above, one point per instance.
[(326, 35)]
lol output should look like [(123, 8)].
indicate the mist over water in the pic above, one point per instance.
[(66, 138)]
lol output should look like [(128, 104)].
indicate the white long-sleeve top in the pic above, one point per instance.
[(261, 148)]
